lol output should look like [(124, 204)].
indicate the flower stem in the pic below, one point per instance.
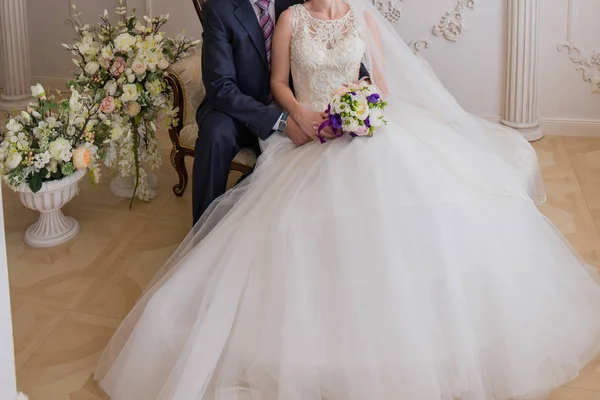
[(136, 157)]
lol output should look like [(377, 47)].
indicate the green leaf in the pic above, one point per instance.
[(35, 182)]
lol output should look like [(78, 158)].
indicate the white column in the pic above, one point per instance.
[(522, 54), (16, 68), (8, 380)]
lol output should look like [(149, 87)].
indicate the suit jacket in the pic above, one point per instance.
[(235, 70)]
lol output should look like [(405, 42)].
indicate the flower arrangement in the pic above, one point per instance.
[(355, 109), (122, 68), (52, 139)]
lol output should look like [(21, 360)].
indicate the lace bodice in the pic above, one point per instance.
[(324, 55)]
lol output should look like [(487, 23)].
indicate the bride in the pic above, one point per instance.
[(411, 265)]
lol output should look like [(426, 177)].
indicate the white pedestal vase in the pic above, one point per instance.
[(53, 227), (124, 186)]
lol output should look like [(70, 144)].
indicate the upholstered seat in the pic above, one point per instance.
[(185, 78)]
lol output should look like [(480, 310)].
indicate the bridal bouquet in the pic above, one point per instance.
[(355, 109), (52, 139), (122, 69)]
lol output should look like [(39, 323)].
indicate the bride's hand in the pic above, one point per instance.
[(310, 121)]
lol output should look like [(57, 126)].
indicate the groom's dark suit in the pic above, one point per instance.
[(236, 75)]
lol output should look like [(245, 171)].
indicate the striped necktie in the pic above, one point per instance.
[(266, 26)]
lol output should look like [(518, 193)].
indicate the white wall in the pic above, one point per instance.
[(51, 63), (472, 67)]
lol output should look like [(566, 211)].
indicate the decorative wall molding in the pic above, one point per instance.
[(390, 9), (452, 23), (419, 45), (584, 62)]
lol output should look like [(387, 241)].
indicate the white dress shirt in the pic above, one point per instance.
[(258, 11)]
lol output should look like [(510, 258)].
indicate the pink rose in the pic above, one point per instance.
[(108, 105), (353, 87), (118, 66), (138, 67), (342, 90), (362, 130)]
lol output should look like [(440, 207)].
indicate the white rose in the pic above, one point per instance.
[(361, 109), (131, 78), (124, 41), (376, 117), (163, 63), (13, 160), (111, 88), (58, 147), (38, 91), (138, 67), (92, 67)]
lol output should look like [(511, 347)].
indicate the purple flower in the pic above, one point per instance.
[(374, 98), (336, 121), (367, 123)]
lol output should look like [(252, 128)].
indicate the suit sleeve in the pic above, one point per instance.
[(364, 72), (219, 77)]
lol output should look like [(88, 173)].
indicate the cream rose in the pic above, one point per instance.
[(82, 157), (124, 41), (163, 63), (138, 67), (92, 67), (108, 105), (132, 109), (13, 160), (130, 93), (111, 88)]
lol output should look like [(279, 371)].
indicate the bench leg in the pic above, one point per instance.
[(178, 162)]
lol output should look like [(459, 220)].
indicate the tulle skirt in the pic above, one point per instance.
[(366, 269)]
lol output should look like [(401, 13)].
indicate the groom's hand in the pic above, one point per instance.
[(296, 134)]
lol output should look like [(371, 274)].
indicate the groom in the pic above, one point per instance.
[(239, 108)]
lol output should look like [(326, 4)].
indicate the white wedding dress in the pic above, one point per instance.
[(375, 268)]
